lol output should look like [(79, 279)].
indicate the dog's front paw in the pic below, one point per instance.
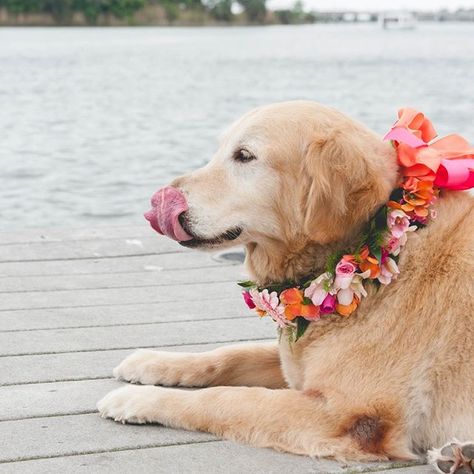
[(131, 404), (155, 368)]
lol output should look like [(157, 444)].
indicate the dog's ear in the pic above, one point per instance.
[(349, 174)]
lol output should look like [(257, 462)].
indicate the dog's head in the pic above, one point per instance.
[(293, 171)]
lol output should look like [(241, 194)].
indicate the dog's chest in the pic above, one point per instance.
[(291, 364)]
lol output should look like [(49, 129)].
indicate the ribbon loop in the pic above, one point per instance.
[(448, 161)]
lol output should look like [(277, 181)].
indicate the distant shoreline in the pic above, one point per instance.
[(159, 15)]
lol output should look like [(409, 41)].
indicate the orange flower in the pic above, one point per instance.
[(371, 264), (347, 309), (366, 262), (417, 206), (418, 196), (364, 253), (394, 205), (293, 300)]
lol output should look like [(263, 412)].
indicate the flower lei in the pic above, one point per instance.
[(426, 166)]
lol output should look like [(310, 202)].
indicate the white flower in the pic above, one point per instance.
[(316, 291), (346, 295)]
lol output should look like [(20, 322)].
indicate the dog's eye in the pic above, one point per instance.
[(244, 156)]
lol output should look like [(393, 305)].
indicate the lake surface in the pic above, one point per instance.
[(94, 120)]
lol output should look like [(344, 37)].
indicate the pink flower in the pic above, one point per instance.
[(388, 271), (344, 275), (345, 296), (248, 299), (316, 291), (328, 306), (398, 222), (268, 303), (394, 243)]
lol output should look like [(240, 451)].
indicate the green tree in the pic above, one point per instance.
[(61, 10), (254, 9), (295, 15), (221, 9), (171, 9), (124, 8), (22, 6)]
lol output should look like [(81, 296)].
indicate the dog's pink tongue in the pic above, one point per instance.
[(167, 204)]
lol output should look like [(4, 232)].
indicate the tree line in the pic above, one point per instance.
[(62, 11)]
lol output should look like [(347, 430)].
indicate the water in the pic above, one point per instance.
[(92, 121)]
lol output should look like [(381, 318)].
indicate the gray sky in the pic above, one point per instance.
[(375, 5)]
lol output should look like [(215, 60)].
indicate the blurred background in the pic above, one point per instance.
[(104, 101)]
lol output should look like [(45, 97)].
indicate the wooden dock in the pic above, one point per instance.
[(73, 304)]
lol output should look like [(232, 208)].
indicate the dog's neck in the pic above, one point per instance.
[(276, 262)]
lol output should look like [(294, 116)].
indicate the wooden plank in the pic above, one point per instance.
[(92, 297), (146, 263), (113, 315), (78, 434), (129, 337), (50, 399), (77, 365), (67, 234), (92, 249), (121, 280), (211, 457)]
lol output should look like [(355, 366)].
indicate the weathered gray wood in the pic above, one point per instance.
[(110, 315), (150, 294), (48, 399), (63, 234), (44, 251), (129, 337), (213, 457), (121, 280), (76, 434), (146, 263), (76, 365)]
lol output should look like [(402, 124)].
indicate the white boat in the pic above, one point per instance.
[(400, 20)]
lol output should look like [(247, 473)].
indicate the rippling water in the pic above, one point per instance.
[(93, 120)]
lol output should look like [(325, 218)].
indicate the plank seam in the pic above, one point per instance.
[(21, 354), (40, 382), (124, 324), (190, 283), (76, 241), (82, 453), (50, 415), (97, 257), (220, 298), (163, 270)]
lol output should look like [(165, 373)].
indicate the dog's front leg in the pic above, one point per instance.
[(286, 420), (243, 364)]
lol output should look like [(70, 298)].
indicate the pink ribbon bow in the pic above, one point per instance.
[(448, 161)]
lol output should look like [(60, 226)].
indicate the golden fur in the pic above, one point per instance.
[(394, 379)]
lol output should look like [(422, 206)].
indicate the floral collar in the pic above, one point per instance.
[(426, 166)]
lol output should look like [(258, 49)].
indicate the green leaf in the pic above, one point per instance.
[(327, 286), (301, 325), (377, 252), (332, 261), (247, 284)]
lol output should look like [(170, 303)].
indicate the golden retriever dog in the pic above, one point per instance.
[(292, 182)]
